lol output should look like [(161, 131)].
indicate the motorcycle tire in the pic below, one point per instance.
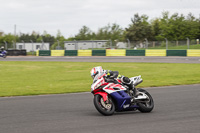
[(4, 56), (98, 99), (146, 107)]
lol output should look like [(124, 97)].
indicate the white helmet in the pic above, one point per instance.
[(96, 71)]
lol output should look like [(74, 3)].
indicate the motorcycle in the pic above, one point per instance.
[(111, 97), (3, 54)]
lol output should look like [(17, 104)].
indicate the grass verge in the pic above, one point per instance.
[(34, 78)]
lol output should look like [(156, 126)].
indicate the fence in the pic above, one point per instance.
[(91, 45), (139, 45), (187, 44)]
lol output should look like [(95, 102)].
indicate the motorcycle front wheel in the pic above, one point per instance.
[(147, 105), (104, 107)]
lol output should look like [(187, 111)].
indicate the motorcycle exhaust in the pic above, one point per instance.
[(140, 81), (140, 97)]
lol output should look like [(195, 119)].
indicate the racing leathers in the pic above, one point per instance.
[(1, 50), (112, 76)]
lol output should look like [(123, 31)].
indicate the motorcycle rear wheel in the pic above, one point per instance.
[(105, 108), (146, 107)]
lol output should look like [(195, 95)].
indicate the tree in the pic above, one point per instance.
[(1, 33), (156, 29), (178, 27), (113, 32), (9, 39), (139, 29), (84, 33), (46, 37), (192, 27), (59, 39)]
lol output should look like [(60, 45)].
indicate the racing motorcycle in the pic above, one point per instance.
[(3, 54), (110, 97)]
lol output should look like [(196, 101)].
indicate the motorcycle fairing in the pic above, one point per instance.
[(3, 53), (103, 94), (111, 88), (122, 100)]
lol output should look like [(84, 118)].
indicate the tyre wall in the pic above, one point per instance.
[(98, 52), (193, 52), (44, 52), (57, 52), (156, 52), (135, 52), (111, 52), (70, 52), (176, 52), (115, 52), (84, 52), (16, 52)]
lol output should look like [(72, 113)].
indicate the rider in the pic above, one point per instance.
[(111, 76), (2, 49)]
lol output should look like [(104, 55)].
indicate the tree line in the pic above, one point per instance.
[(173, 27)]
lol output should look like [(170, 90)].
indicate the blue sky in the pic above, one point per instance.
[(69, 16)]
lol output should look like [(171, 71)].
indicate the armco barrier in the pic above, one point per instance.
[(84, 52), (193, 52), (115, 52), (155, 52), (44, 52), (57, 52), (98, 52), (135, 52), (70, 52), (176, 52)]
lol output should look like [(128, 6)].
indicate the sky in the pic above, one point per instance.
[(69, 16)]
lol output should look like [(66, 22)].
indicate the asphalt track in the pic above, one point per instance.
[(177, 110), (105, 59)]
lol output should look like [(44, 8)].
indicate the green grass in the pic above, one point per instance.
[(31, 53), (34, 78)]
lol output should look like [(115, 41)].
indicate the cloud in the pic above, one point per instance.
[(69, 16)]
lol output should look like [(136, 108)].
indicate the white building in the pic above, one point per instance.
[(121, 45), (32, 46), (87, 44)]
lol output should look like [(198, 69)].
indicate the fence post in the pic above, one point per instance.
[(92, 45), (146, 43), (129, 45), (23, 43), (75, 43), (13, 44), (32, 46), (166, 43), (110, 44), (6, 45), (58, 46), (42, 47), (188, 42)]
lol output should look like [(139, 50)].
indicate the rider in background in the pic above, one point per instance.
[(111, 76), (2, 49)]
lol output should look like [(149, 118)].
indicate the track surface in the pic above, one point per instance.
[(177, 109), (105, 59)]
